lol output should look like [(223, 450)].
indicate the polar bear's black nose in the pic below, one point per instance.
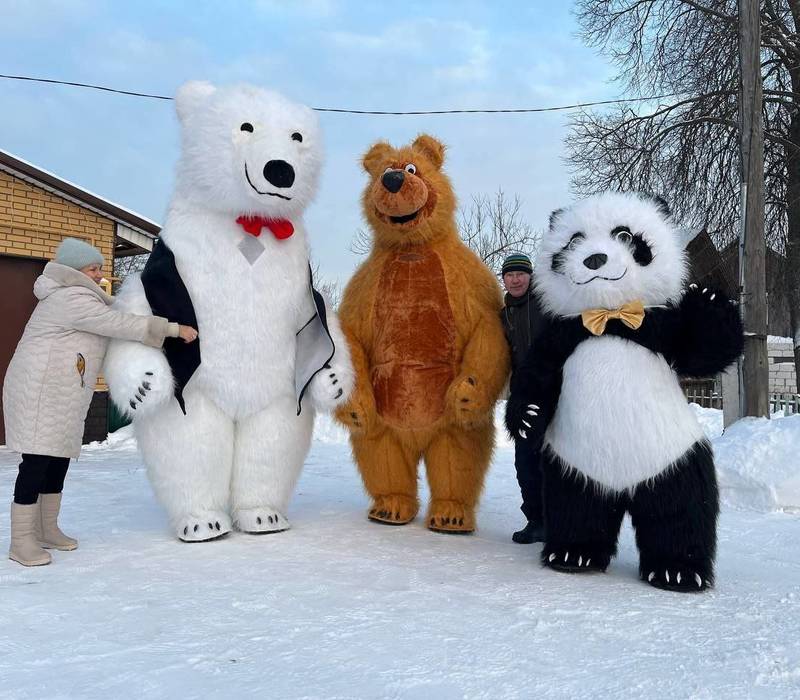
[(279, 173), (593, 262), (393, 180)]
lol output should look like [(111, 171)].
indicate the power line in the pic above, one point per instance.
[(337, 110)]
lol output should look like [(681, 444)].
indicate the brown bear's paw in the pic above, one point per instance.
[(356, 414), (393, 510), (468, 404), (451, 516)]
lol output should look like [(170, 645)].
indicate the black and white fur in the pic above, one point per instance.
[(618, 433)]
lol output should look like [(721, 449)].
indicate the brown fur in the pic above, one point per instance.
[(421, 315)]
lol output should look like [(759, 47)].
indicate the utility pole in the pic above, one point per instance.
[(754, 368)]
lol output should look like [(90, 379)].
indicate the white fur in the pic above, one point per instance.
[(325, 395), (657, 283), (127, 363), (240, 448), (622, 417)]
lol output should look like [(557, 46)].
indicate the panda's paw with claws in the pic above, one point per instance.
[(575, 559), (677, 576)]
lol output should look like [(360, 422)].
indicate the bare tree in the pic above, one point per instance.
[(362, 242), (684, 145), (128, 265), (329, 288), (494, 227)]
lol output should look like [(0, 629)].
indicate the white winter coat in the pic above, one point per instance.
[(50, 381)]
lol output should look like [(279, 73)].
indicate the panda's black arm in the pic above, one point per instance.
[(536, 384), (709, 334), (699, 337)]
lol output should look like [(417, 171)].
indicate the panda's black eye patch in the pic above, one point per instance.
[(297, 136), (642, 253), (576, 238), (247, 126), (622, 234), (557, 263)]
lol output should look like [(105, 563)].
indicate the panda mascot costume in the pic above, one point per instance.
[(602, 389)]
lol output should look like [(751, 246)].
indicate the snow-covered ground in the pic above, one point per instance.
[(339, 607)]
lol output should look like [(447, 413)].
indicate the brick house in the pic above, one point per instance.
[(37, 210)]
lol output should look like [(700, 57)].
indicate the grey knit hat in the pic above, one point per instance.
[(78, 254)]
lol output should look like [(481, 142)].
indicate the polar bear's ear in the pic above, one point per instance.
[(433, 149), (375, 156), (190, 95)]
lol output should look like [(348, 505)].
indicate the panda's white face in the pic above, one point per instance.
[(608, 250)]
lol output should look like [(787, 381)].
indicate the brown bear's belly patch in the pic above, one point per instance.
[(414, 354)]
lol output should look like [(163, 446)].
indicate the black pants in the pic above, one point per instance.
[(529, 477), (39, 474)]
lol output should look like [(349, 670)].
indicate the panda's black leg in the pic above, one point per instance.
[(581, 520), (675, 518)]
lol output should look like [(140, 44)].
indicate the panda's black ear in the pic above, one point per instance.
[(660, 202), (554, 217)]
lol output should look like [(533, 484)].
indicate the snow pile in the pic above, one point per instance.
[(122, 439), (758, 463), (710, 419)]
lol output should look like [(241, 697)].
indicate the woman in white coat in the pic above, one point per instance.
[(49, 386)]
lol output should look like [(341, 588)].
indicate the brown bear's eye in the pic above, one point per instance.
[(411, 168), (247, 126)]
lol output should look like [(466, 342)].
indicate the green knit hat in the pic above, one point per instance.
[(517, 262), (76, 253)]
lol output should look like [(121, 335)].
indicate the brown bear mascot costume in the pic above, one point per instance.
[(422, 318)]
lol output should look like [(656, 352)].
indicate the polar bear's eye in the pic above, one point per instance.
[(297, 136), (247, 126), (410, 168)]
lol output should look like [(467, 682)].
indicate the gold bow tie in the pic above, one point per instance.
[(631, 314)]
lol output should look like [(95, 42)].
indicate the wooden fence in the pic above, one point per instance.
[(706, 393)]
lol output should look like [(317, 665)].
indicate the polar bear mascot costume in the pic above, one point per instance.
[(224, 424)]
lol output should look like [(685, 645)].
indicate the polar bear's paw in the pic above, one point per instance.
[(209, 525), (139, 378), (331, 387), (260, 520)]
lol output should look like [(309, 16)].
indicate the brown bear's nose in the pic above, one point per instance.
[(393, 180)]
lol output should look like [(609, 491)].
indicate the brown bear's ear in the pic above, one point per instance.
[(433, 149), (375, 155)]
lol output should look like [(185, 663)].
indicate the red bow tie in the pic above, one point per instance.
[(281, 228)]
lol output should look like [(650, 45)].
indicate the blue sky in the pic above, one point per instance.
[(327, 53)]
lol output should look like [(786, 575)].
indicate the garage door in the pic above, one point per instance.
[(17, 302)]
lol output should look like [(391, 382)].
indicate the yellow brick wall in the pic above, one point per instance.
[(34, 221)]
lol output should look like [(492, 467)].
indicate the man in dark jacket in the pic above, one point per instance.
[(522, 319)]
